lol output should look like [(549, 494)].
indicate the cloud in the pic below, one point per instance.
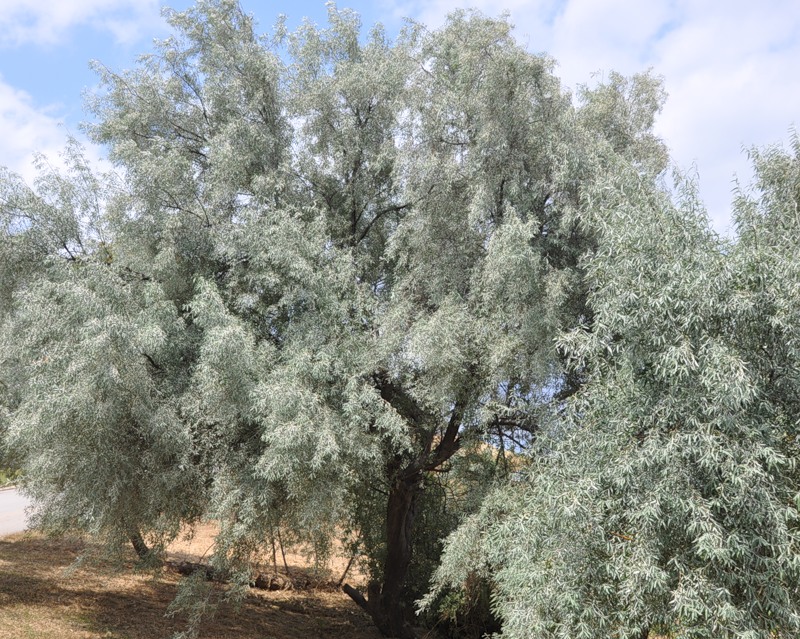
[(729, 73), (27, 131), (47, 22)]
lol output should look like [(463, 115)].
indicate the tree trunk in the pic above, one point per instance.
[(384, 603), (400, 512), (138, 543)]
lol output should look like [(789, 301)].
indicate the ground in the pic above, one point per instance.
[(44, 596)]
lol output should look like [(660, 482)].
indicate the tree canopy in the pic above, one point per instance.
[(327, 268)]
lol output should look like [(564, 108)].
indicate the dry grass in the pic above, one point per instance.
[(41, 599)]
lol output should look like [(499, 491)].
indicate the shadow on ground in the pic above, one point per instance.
[(40, 596)]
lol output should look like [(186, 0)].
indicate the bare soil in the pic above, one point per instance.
[(43, 596)]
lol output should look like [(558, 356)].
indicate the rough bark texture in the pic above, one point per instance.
[(400, 512)]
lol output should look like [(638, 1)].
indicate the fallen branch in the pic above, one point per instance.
[(346, 570), (260, 580), (356, 596)]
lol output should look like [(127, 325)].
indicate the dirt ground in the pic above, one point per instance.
[(42, 598)]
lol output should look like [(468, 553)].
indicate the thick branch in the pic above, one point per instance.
[(450, 443), (356, 596), (405, 405)]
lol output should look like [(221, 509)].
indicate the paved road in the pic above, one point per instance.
[(12, 511)]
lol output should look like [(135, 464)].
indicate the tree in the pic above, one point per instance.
[(668, 500), (91, 367), (318, 275)]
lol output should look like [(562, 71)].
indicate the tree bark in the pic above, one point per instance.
[(400, 512)]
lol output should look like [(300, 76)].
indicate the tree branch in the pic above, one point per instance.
[(390, 209), (450, 443), (405, 405)]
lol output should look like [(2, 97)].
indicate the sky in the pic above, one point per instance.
[(730, 68)]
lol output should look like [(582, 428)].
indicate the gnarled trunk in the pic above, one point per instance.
[(384, 603)]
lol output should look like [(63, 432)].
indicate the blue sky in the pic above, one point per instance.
[(730, 68)]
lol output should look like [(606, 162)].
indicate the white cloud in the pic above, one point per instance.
[(729, 73), (729, 68), (27, 131), (48, 21), (28, 128)]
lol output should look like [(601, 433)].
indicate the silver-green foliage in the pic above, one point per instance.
[(669, 501), (327, 262), (91, 361)]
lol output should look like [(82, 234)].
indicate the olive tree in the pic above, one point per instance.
[(326, 262)]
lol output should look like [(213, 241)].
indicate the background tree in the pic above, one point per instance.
[(330, 263)]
